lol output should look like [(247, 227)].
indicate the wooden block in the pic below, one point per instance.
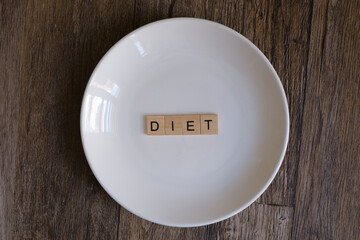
[(155, 125), (209, 124), (173, 125), (191, 124)]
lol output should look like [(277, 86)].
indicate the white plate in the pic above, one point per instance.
[(184, 66)]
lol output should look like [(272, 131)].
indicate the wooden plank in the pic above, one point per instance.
[(11, 42), (150, 11), (56, 195), (258, 221), (132, 228), (327, 198)]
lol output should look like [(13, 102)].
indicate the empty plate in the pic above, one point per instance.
[(184, 66)]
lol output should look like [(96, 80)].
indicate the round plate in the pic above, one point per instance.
[(184, 66)]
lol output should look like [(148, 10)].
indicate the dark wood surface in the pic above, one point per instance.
[(48, 50)]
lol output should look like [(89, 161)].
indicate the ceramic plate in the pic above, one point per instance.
[(184, 66)]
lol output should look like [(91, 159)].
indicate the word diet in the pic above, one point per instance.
[(195, 124)]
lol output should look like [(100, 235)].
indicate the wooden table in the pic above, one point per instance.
[(48, 50)]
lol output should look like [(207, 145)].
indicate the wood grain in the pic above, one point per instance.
[(11, 39), (327, 202), (48, 50), (258, 221)]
